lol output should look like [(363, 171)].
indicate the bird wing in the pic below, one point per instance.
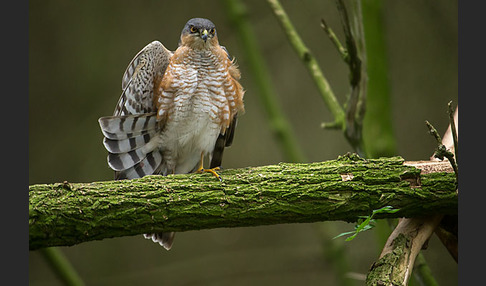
[(145, 70), (224, 140), (130, 134), (227, 53)]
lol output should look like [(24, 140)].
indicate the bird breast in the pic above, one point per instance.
[(199, 109)]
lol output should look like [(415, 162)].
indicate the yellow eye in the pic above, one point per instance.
[(193, 29), (212, 31)]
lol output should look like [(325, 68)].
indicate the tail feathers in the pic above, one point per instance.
[(132, 144), (163, 238), (124, 161), (129, 126), (133, 152), (148, 166), (128, 144)]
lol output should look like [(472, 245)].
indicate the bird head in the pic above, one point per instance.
[(199, 33)]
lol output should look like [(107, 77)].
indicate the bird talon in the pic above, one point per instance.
[(212, 171)]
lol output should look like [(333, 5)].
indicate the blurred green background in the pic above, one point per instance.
[(78, 51)]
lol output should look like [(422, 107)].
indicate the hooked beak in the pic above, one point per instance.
[(204, 35)]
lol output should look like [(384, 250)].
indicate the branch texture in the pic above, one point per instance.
[(65, 214), (398, 257)]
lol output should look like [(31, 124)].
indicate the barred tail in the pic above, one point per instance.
[(132, 143), (163, 238)]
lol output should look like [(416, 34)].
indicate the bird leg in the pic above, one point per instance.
[(201, 169)]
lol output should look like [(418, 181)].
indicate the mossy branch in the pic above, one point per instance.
[(64, 214)]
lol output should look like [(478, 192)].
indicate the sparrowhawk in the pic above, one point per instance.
[(175, 109)]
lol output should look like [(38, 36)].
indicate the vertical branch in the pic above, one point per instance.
[(398, 256), (237, 13), (453, 118), (378, 133), (442, 151), (355, 107)]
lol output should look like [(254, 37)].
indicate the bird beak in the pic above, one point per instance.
[(204, 35)]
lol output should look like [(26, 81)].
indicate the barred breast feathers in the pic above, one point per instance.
[(220, 76)]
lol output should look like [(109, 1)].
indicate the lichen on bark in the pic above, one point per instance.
[(63, 214)]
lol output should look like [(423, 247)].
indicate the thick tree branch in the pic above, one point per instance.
[(64, 214)]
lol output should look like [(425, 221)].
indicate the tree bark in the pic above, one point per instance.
[(398, 257), (64, 214)]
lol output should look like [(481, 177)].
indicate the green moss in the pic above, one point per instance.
[(66, 214)]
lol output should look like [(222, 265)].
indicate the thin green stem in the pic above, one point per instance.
[(237, 13), (422, 272), (334, 39), (310, 62), (61, 266)]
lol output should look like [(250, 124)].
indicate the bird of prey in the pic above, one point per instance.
[(176, 108)]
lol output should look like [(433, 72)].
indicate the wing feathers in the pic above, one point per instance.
[(132, 134), (224, 140), (147, 67)]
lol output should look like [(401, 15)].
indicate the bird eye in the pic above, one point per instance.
[(193, 29), (212, 31)]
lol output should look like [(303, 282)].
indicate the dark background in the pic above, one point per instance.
[(78, 52)]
